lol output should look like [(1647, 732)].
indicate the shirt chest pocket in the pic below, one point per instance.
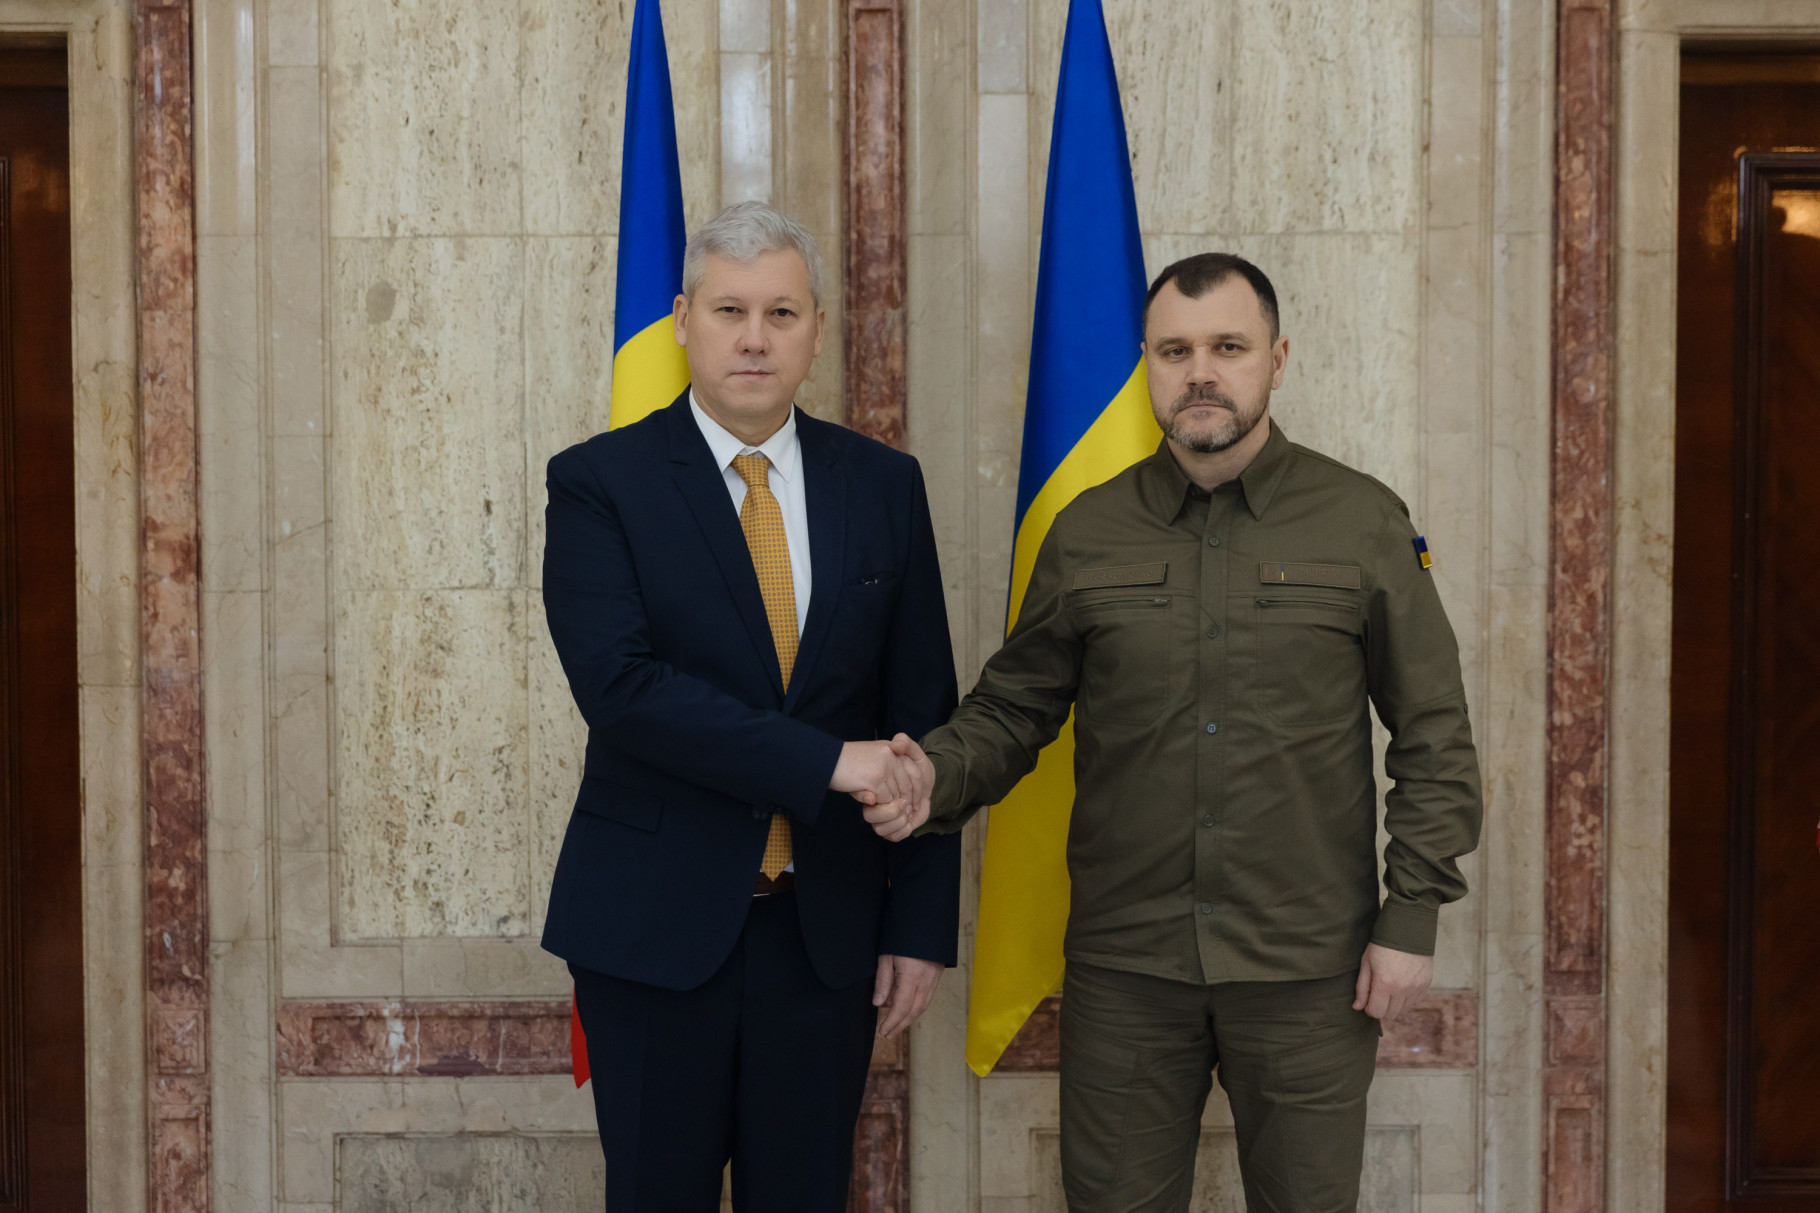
[(1308, 656), (1122, 617)]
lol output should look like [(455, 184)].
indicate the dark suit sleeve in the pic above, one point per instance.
[(678, 724), (922, 917)]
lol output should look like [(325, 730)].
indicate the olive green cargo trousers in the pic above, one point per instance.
[(1138, 1056)]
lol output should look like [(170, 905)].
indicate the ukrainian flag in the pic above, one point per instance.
[(649, 368), (1087, 418)]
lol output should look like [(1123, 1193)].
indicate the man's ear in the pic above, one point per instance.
[(679, 315), (1279, 355), (821, 329)]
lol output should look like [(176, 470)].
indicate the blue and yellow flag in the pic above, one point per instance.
[(1087, 419), (649, 368)]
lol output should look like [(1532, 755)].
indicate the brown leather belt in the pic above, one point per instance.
[(764, 886)]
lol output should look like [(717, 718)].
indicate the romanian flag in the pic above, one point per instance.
[(1087, 419), (649, 368)]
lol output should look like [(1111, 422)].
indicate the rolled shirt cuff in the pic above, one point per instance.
[(1404, 926)]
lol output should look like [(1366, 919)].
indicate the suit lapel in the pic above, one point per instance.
[(825, 489), (704, 490)]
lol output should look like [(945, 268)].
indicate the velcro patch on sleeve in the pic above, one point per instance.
[(1335, 576)]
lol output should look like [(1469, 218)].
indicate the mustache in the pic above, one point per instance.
[(1202, 393)]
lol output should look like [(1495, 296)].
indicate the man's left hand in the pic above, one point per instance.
[(1390, 982), (904, 987)]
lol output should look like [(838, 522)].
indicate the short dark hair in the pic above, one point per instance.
[(1195, 276)]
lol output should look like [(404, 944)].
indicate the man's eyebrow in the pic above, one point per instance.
[(1217, 339)]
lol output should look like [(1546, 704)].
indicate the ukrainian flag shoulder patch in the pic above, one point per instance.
[(1421, 542)]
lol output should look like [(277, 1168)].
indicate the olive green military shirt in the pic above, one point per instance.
[(1218, 651)]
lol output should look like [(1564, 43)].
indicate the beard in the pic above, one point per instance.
[(1214, 435)]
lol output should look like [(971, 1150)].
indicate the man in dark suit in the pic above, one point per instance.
[(746, 601)]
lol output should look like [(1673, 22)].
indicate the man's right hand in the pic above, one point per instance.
[(892, 778), (898, 819)]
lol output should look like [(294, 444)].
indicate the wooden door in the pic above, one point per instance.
[(42, 1150), (1744, 889)]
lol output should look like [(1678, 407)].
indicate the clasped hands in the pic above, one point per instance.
[(893, 779)]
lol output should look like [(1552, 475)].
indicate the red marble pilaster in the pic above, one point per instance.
[(1579, 627), (875, 323), (875, 383), (881, 1142), (176, 819)]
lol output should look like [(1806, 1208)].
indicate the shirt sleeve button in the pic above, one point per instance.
[(1206, 907), (1212, 727), (1213, 541)]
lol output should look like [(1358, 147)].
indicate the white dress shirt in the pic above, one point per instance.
[(785, 451)]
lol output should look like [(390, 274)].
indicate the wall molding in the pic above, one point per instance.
[(400, 1038)]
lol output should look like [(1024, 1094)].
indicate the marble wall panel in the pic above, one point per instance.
[(745, 127), (692, 29), (573, 89), (568, 361), (1328, 115), (554, 1173), (225, 120), (557, 741), (294, 269), (1004, 284), (937, 115), (428, 468), (113, 912), (1176, 78), (431, 764), (315, 1116), (292, 33), (234, 689), (424, 118), (228, 414), (808, 169)]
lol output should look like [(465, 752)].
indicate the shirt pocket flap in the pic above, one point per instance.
[(1121, 575), (1333, 576)]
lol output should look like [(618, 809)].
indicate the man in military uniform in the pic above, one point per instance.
[(1218, 617)]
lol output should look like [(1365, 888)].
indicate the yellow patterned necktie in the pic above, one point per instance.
[(763, 522)]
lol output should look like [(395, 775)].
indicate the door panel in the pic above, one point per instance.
[(1744, 1123), (42, 1150)]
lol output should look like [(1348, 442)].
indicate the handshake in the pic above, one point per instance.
[(893, 779)]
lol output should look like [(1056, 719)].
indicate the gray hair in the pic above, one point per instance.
[(740, 233)]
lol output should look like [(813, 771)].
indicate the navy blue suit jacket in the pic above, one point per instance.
[(693, 741)]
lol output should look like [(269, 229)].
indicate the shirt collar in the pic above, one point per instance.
[(1165, 485), (781, 448)]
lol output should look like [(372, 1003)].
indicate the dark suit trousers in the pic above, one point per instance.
[(762, 1064)]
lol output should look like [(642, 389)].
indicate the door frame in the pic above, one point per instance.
[(98, 35), (1650, 37)]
